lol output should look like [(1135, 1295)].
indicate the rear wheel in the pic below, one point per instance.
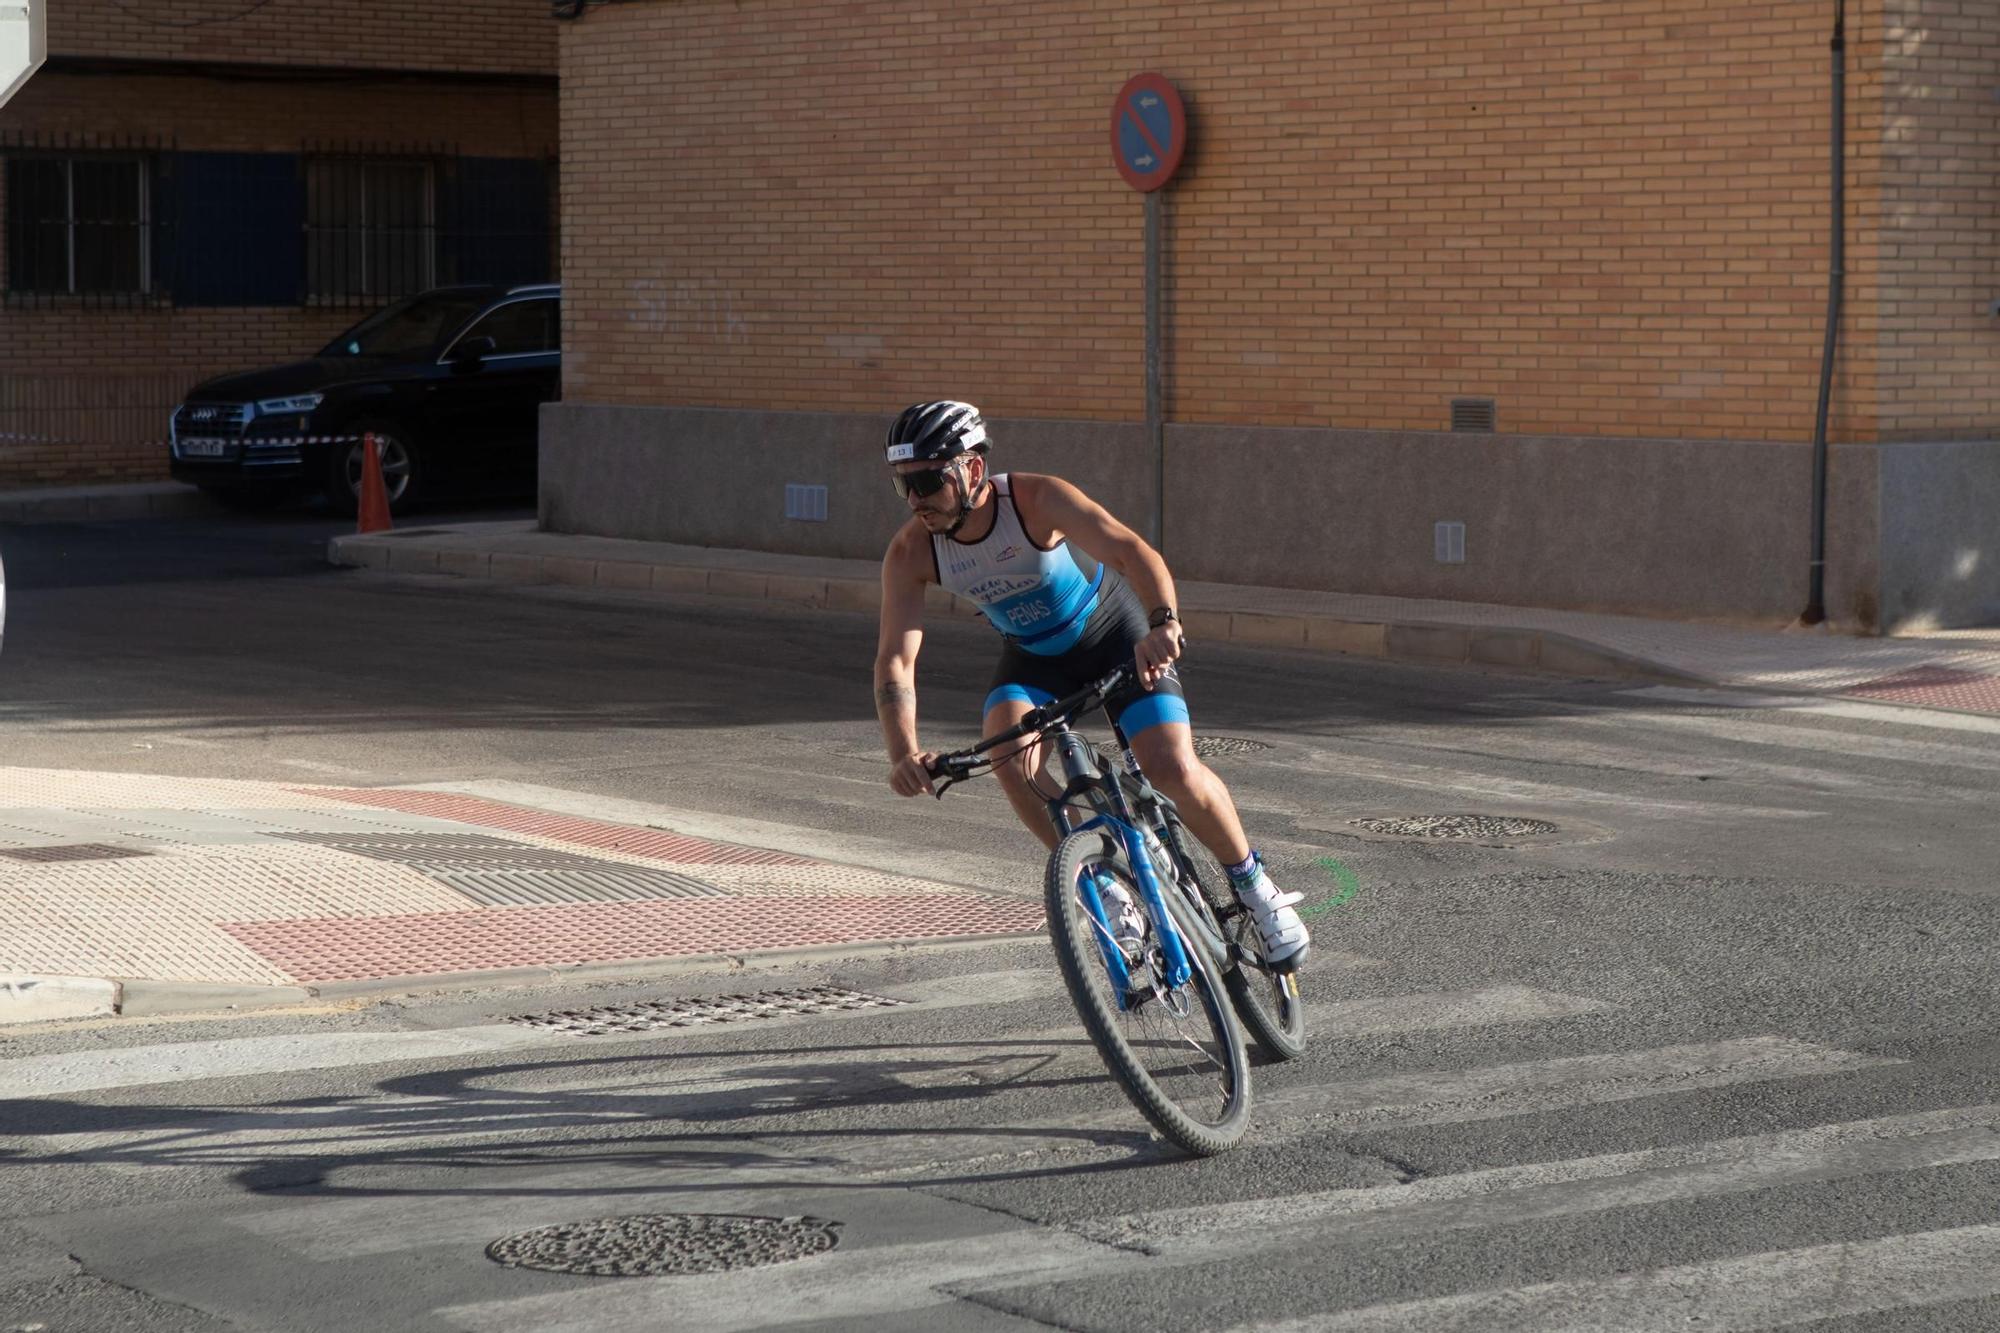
[(1268, 1003), (1177, 1051), (402, 473)]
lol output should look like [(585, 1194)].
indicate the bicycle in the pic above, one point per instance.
[(1111, 822)]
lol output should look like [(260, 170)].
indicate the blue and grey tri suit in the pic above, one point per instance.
[(1062, 628)]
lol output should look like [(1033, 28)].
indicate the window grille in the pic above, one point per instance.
[(371, 229), (79, 224)]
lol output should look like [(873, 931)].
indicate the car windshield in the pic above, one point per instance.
[(408, 327)]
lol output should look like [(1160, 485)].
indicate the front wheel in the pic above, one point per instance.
[(1268, 1002), (402, 473), (1177, 1052)]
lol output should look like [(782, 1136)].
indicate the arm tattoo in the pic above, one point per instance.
[(895, 696)]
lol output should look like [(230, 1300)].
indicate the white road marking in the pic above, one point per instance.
[(1860, 712), (184, 1062), (1506, 1196), (1458, 782), (1454, 1096), (1861, 745), (1772, 1290)]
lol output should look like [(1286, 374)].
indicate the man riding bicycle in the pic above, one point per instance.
[(1003, 542)]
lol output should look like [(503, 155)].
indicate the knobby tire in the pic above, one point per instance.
[(1075, 936)]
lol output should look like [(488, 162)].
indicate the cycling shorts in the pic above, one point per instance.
[(1113, 631)]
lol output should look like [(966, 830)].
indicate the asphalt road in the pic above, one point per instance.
[(1720, 1051)]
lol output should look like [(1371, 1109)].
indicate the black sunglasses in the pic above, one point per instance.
[(922, 484)]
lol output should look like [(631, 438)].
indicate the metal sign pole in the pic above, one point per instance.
[(1155, 411), (1148, 138)]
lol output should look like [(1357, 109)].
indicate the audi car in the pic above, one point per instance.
[(449, 382)]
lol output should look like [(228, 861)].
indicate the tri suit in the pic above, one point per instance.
[(1062, 629)]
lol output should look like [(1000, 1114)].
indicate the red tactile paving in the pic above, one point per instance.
[(627, 838), (363, 948), (1937, 687)]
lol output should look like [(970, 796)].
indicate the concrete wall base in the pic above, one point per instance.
[(1700, 529)]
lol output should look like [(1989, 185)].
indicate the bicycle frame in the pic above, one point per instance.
[(1082, 772)]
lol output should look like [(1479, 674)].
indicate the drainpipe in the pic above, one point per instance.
[(1815, 611)]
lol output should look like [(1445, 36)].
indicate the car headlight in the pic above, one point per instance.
[(305, 402)]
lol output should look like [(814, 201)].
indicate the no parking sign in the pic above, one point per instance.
[(1148, 131)]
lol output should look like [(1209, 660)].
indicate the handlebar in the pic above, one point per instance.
[(962, 764)]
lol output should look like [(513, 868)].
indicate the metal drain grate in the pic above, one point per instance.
[(666, 1244), (499, 872), (654, 1015), (1210, 747), (74, 851), (1455, 826)]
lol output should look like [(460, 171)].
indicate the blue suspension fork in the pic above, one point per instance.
[(1080, 767)]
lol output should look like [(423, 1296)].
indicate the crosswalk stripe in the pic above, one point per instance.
[(1796, 704), (1516, 1194), (185, 1062), (1445, 1097), (1492, 1091), (1773, 735), (1771, 1290)]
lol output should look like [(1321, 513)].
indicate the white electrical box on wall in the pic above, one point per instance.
[(24, 43)]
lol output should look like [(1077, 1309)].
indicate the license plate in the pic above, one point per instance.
[(206, 448)]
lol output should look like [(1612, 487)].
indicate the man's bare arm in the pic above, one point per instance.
[(901, 635)]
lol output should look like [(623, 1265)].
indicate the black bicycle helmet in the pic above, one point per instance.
[(936, 433)]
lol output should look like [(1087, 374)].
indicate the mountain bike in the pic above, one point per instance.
[(1154, 1006)]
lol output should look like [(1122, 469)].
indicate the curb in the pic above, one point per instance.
[(35, 999), (72, 504), (1425, 643)]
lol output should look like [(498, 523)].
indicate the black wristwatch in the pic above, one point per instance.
[(1161, 615)]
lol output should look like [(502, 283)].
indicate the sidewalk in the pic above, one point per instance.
[(1957, 670), (68, 504), (141, 894)]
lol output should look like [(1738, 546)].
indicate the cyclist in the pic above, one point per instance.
[(1003, 541)]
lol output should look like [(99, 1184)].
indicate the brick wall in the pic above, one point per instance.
[(1609, 217), (54, 361), (1940, 220), (511, 36)]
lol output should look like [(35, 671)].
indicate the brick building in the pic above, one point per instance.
[(199, 186), (1610, 221)]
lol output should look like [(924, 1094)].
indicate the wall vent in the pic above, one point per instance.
[(1472, 414), (1450, 540), (805, 503)]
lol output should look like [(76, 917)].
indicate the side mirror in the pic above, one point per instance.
[(472, 351)]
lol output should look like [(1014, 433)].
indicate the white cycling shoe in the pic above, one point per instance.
[(1284, 935), (1128, 923)]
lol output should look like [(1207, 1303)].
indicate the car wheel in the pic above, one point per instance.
[(402, 473)]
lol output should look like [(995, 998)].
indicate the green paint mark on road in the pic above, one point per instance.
[(1345, 878)]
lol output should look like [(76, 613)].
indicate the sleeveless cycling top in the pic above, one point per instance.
[(1040, 599)]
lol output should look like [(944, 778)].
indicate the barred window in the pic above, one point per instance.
[(78, 225), (371, 229)]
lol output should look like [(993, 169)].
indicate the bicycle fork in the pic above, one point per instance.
[(1080, 768)]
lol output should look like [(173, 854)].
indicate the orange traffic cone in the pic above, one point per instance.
[(374, 495)]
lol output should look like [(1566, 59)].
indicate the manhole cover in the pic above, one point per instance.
[(1212, 747), (657, 1014), (666, 1244), (1455, 826), (73, 851)]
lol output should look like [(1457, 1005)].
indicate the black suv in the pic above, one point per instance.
[(448, 381)]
